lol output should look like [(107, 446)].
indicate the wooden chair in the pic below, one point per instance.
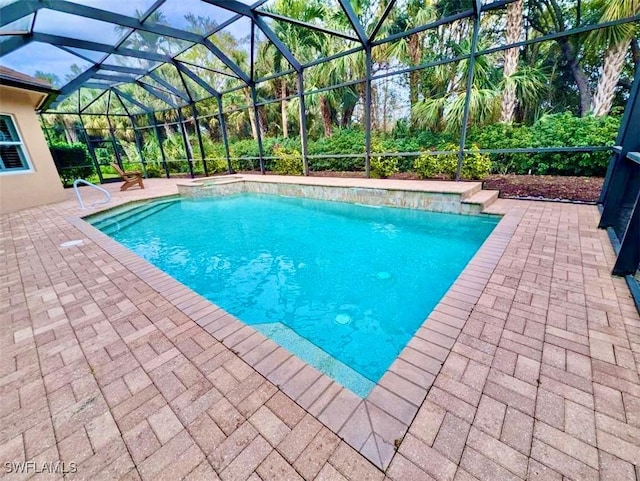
[(130, 178)]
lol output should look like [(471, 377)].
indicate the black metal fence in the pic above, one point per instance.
[(620, 197)]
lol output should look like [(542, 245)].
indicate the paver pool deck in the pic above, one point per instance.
[(527, 369)]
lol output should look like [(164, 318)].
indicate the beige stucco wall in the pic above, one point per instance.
[(41, 185)]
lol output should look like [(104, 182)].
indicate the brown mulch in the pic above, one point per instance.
[(543, 187), (550, 187)]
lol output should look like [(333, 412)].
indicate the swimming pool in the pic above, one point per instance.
[(342, 286)]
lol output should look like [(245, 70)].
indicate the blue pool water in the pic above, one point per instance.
[(342, 286)]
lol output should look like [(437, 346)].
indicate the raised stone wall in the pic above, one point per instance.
[(423, 200)]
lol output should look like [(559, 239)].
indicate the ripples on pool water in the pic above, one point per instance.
[(343, 286)]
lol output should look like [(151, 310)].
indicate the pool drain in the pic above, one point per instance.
[(384, 275), (343, 319)]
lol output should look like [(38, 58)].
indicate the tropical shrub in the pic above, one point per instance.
[(383, 167), (505, 136), (429, 166), (173, 147), (154, 170), (287, 162), (404, 163), (557, 130), (569, 131), (104, 155), (326, 153), (474, 167), (130, 152), (72, 161), (217, 165), (342, 142), (151, 151)]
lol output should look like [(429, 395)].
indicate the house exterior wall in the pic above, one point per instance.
[(40, 184)]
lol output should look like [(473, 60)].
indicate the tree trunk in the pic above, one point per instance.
[(167, 130), (185, 132), (611, 69), (252, 117), (283, 108), (514, 29), (414, 77), (384, 104), (347, 113), (582, 82), (325, 111), (374, 108), (70, 132)]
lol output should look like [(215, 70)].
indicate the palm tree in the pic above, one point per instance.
[(616, 41), (550, 16), (417, 12), (301, 41), (443, 105), (270, 60), (513, 31)]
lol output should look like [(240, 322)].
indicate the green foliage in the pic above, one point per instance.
[(383, 167), (429, 166), (437, 96), (567, 130), (557, 130), (288, 161), (173, 147), (72, 161), (104, 155), (342, 142), (504, 136), (283, 154), (475, 166), (560, 130), (244, 154), (151, 151), (130, 152), (216, 165), (154, 170)]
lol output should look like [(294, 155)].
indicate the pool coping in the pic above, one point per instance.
[(462, 188), (375, 425)]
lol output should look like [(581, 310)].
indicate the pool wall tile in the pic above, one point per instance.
[(446, 202), (376, 424)]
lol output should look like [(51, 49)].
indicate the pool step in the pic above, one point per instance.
[(316, 357), (479, 201), (131, 216), (110, 217), (118, 213)]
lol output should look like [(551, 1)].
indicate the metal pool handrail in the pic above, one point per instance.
[(85, 182)]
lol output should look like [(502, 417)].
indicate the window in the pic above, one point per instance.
[(12, 153)]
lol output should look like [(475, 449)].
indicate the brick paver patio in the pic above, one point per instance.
[(532, 367)]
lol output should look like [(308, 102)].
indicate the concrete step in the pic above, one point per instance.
[(132, 216), (481, 200)]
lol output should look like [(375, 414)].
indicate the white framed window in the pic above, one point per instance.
[(13, 155)]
